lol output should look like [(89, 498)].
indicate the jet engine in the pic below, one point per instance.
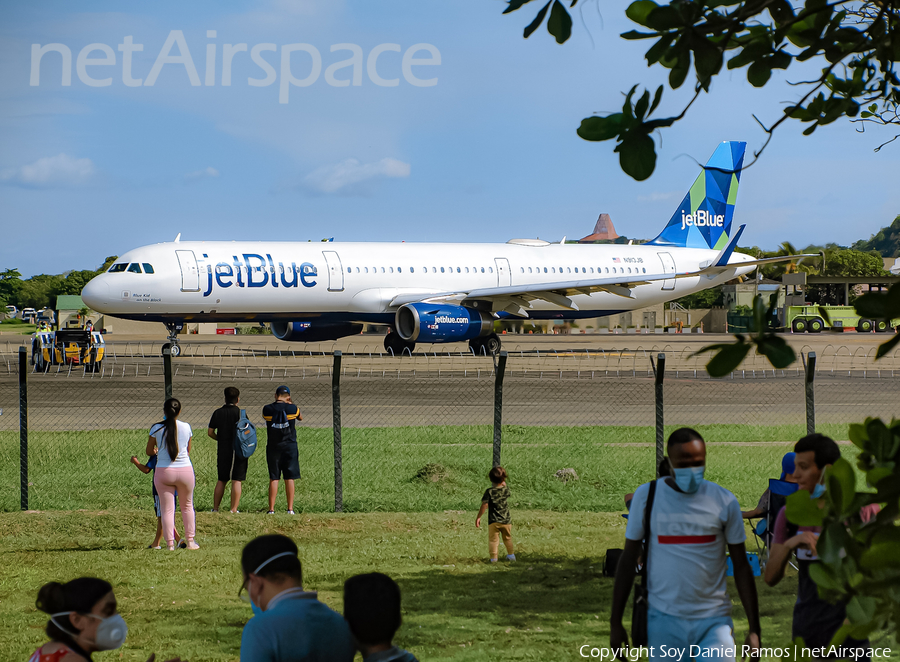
[(426, 322), (314, 331)]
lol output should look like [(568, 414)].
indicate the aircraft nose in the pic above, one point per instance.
[(96, 294)]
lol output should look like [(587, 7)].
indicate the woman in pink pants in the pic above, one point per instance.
[(174, 471)]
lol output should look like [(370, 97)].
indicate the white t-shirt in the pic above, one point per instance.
[(184, 435), (687, 547)]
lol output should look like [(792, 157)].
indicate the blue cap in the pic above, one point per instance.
[(787, 464), (284, 390)]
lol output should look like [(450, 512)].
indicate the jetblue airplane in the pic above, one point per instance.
[(429, 292)]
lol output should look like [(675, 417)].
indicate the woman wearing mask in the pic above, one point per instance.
[(83, 620), (174, 471)]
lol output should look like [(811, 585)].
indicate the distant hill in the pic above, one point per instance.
[(886, 241)]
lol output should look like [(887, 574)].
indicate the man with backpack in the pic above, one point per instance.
[(689, 523), (281, 446), (230, 464)]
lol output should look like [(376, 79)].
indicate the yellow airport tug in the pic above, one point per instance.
[(67, 347)]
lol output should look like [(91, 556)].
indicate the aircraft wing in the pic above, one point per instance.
[(516, 299)]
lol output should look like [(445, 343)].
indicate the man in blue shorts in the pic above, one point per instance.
[(281, 446)]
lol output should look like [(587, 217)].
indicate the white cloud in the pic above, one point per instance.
[(351, 177), (50, 172), (197, 175)]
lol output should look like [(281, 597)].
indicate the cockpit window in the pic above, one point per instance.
[(148, 268), (134, 268), (118, 268)]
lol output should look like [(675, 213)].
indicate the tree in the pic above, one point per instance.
[(703, 299), (10, 284), (886, 241), (856, 41)]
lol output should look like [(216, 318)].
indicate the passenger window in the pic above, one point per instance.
[(412, 270), (592, 269), (529, 269), (629, 269), (366, 269), (553, 269), (134, 268), (434, 270), (607, 269), (357, 269), (644, 270), (545, 269), (569, 269), (349, 270), (118, 268), (148, 268), (482, 269), (467, 269), (491, 269), (382, 270), (458, 270), (442, 269), (392, 269)]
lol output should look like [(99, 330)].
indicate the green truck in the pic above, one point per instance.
[(815, 318)]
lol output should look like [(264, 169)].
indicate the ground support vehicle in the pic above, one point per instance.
[(814, 318), (71, 347)]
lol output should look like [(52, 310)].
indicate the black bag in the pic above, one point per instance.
[(611, 562), (639, 604)]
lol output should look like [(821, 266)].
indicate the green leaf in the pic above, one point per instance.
[(758, 73), (513, 5), (728, 359), (560, 23), (858, 435), (776, 349), (861, 609), (664, 18), (658, 49), (840, 476), (638, 11), (707, 58), (823, 576), (884, 348), (803, 510), (680, 70), (535, 24), (882, 556), (637, 156), (656, 99), (640, 108), (597, 129)]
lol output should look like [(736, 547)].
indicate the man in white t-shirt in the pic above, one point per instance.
[(692, 521)]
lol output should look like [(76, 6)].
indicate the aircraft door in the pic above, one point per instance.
[(190, 274), (504, 276), (335, 271), (668, 264)]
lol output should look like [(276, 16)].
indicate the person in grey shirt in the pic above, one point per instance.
[(293, 625)]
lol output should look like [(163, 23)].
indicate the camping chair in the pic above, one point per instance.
[(763, 529)]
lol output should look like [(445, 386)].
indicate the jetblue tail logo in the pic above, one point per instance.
[(703, 219)]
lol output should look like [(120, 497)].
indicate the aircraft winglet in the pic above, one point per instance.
[(725, 254)]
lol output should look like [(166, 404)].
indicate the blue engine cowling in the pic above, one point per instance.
[(428, 322), (314, 331)]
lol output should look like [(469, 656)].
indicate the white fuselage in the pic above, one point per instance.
[(265, 281)]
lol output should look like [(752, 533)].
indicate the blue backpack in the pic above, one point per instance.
[(245, 436)]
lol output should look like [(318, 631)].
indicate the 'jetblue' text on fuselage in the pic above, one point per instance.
[(258, 271)]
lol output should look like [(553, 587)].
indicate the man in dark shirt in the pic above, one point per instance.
[(229, 465), (281, 446)]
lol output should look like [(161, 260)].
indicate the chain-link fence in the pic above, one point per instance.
[(576, 430)]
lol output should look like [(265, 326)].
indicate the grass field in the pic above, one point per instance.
[(456, 606), (91, 469)]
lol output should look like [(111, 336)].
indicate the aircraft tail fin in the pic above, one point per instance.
[(703, 219)]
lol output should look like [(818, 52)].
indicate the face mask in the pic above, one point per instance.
[(688, 479), (111, 632), (249, 597), (818, 491)]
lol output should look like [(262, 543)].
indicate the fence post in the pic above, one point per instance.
[(167, 368), (23, 426), (660, 374), (810, 365), (336, 426), (498, 405)]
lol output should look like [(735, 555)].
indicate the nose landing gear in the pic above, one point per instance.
[(174, 328)]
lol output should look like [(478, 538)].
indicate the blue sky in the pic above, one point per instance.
[(487, 153)]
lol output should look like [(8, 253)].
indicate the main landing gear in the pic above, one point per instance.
[(174, 329), (486, 346), (394, 344)]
